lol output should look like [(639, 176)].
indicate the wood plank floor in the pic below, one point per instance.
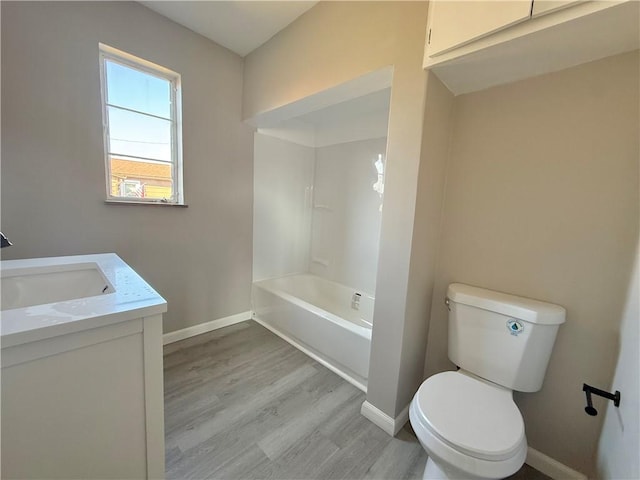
[(240, 403)]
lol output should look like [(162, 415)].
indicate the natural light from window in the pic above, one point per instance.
[(141, 129)]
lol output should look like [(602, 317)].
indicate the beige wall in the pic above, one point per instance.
[(436, 142), (330, 44), (542, 201), (53, 184)]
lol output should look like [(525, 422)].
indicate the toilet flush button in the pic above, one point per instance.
[(515, 327)]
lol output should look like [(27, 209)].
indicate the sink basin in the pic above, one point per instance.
[(29, 286), (52, 296)]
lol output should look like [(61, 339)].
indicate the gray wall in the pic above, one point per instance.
[(53, 183), (542, 201)]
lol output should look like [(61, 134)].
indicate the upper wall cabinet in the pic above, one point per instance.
[(458, 23), (541, 7), (473, 45)]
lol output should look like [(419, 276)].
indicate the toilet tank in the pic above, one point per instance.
[(502, 338)]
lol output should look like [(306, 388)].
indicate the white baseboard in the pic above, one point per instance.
[(550, 467), (205, 327), (384, 421)]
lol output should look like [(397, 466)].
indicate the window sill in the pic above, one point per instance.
[(152, 204)]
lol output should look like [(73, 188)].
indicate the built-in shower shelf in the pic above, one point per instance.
[(320, 261), (319, 206)]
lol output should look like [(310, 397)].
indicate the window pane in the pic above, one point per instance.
[(137, 90), (139, 135), (132, 178)]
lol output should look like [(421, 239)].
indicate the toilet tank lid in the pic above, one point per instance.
[(532, 311)]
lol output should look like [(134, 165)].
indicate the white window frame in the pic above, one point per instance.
[(136, 63)]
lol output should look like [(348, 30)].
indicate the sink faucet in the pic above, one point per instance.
[(4, 241)]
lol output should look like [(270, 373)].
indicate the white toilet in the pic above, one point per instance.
[(467, 420)]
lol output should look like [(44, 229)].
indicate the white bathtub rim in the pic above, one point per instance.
[(341, 373), (313, 275), (335, 319)]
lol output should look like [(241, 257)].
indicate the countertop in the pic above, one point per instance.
[(133, 298)]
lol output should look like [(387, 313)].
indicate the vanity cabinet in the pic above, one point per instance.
[(82, 377), (473, 45), (85, 405)]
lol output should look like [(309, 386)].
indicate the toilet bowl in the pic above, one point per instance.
[(467, 420), (470, 428)]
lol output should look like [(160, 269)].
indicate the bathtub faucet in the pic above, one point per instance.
[(4, 241)]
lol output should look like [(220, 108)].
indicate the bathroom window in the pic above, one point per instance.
[(142, 131)]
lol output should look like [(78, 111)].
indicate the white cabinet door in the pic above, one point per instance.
[(540, 7), (455, 23)]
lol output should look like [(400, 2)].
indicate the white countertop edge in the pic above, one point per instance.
[(133, 298), (29, 336)]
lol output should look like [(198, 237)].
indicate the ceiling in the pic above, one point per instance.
[(239, 25)]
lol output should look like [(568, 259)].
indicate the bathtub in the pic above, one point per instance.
[(320, 318)]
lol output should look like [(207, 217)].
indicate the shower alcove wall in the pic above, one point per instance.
[(318, 194)]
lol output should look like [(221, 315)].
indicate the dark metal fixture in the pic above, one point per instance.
[(588, 389), (4, 241)]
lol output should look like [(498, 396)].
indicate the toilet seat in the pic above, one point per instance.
[(474, 417), (469, 425)]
